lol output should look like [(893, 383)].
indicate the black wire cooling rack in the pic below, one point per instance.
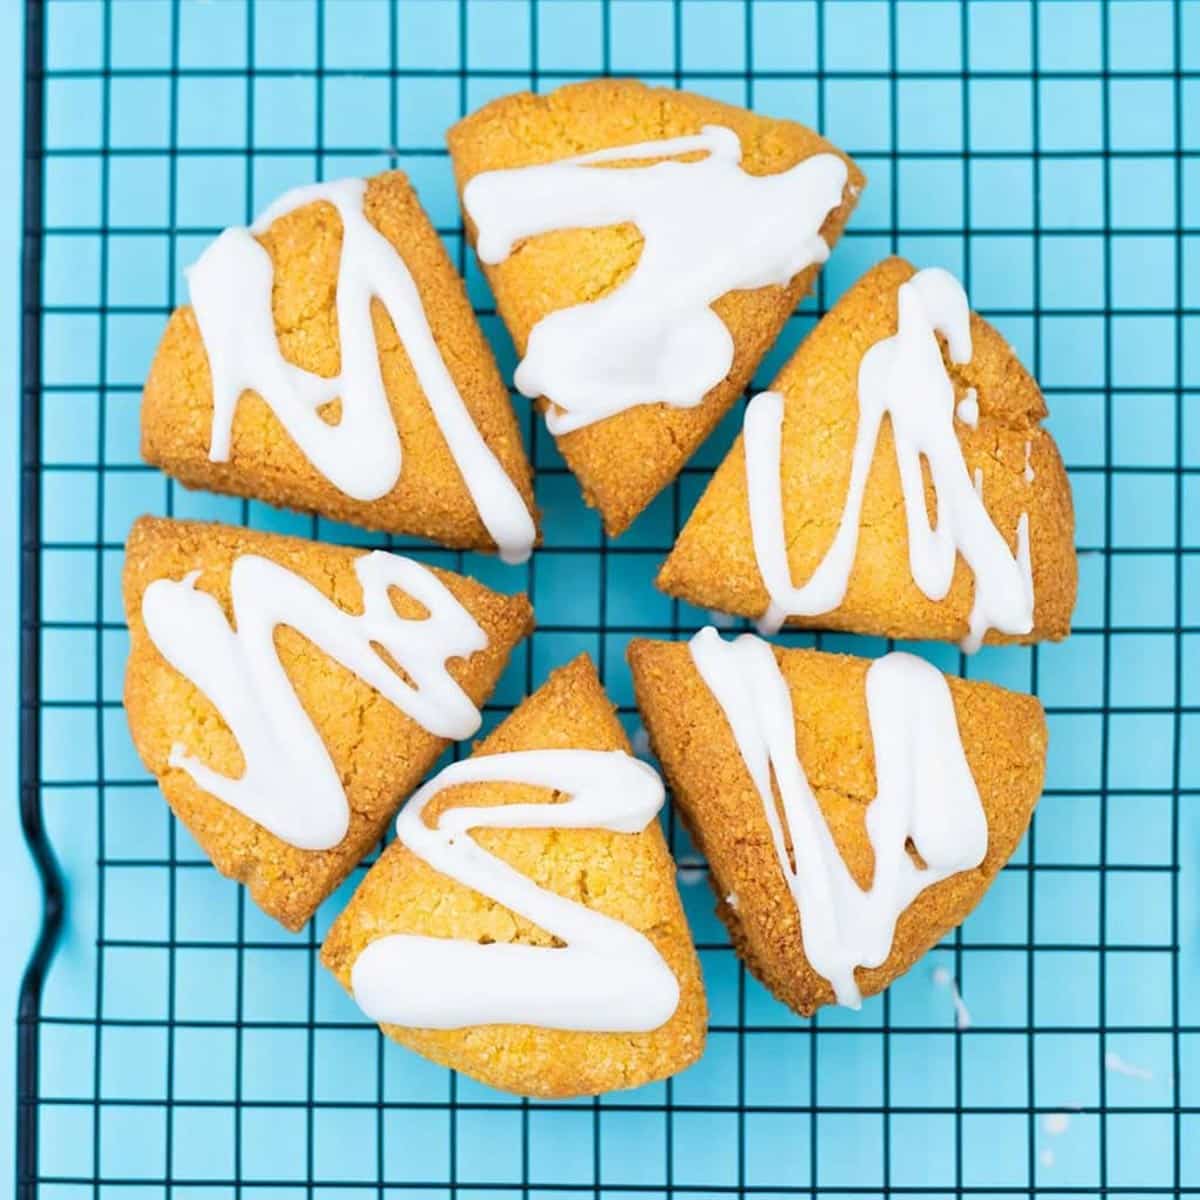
[(172, 1044)]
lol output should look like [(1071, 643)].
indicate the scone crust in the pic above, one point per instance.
[(379, 752), (713, 564), (430, 498), (629, 877), (622, 463), (1003, 735)]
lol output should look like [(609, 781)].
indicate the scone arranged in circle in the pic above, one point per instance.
[(852, 812), (525, 927), (896, 480), (287, 695), (645, 247), (330, 361)]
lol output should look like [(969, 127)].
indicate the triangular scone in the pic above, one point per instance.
[(1003, 735), (422, 491), (378, 752), (626, 876), (1006, 452), (624, 461)]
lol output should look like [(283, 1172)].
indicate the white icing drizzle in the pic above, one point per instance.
[(903, 377), (1029, 475), (968, 408), (721, 620), (606, 977), (1056, 1123), (230, 286), (290, 785), (709, 228), (962, 1014), (925, 793), (1115, 1063)]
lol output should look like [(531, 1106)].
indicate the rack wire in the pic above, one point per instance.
[(173, 1043)]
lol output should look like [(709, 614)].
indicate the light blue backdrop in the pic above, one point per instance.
[(1075, 220)]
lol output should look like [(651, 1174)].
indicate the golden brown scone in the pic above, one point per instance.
[(713, 563), (430, 498), (622, 463), (379, 752), (626, 876), (1003, 735)]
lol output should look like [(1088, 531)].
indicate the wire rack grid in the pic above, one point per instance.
[(174, 1043)]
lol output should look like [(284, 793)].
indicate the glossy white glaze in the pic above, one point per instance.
[(925, 793), (606, 977), (708, 226), (902, 377), (290, 785), (230, 287)]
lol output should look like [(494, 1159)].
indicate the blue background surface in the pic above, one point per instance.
[(17, 890), (1048, 154)]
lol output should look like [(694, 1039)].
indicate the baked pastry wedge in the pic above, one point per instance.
[(896, 480), (525, 927), (645, 247), (330, 361), (852, 812), (287, 695)]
